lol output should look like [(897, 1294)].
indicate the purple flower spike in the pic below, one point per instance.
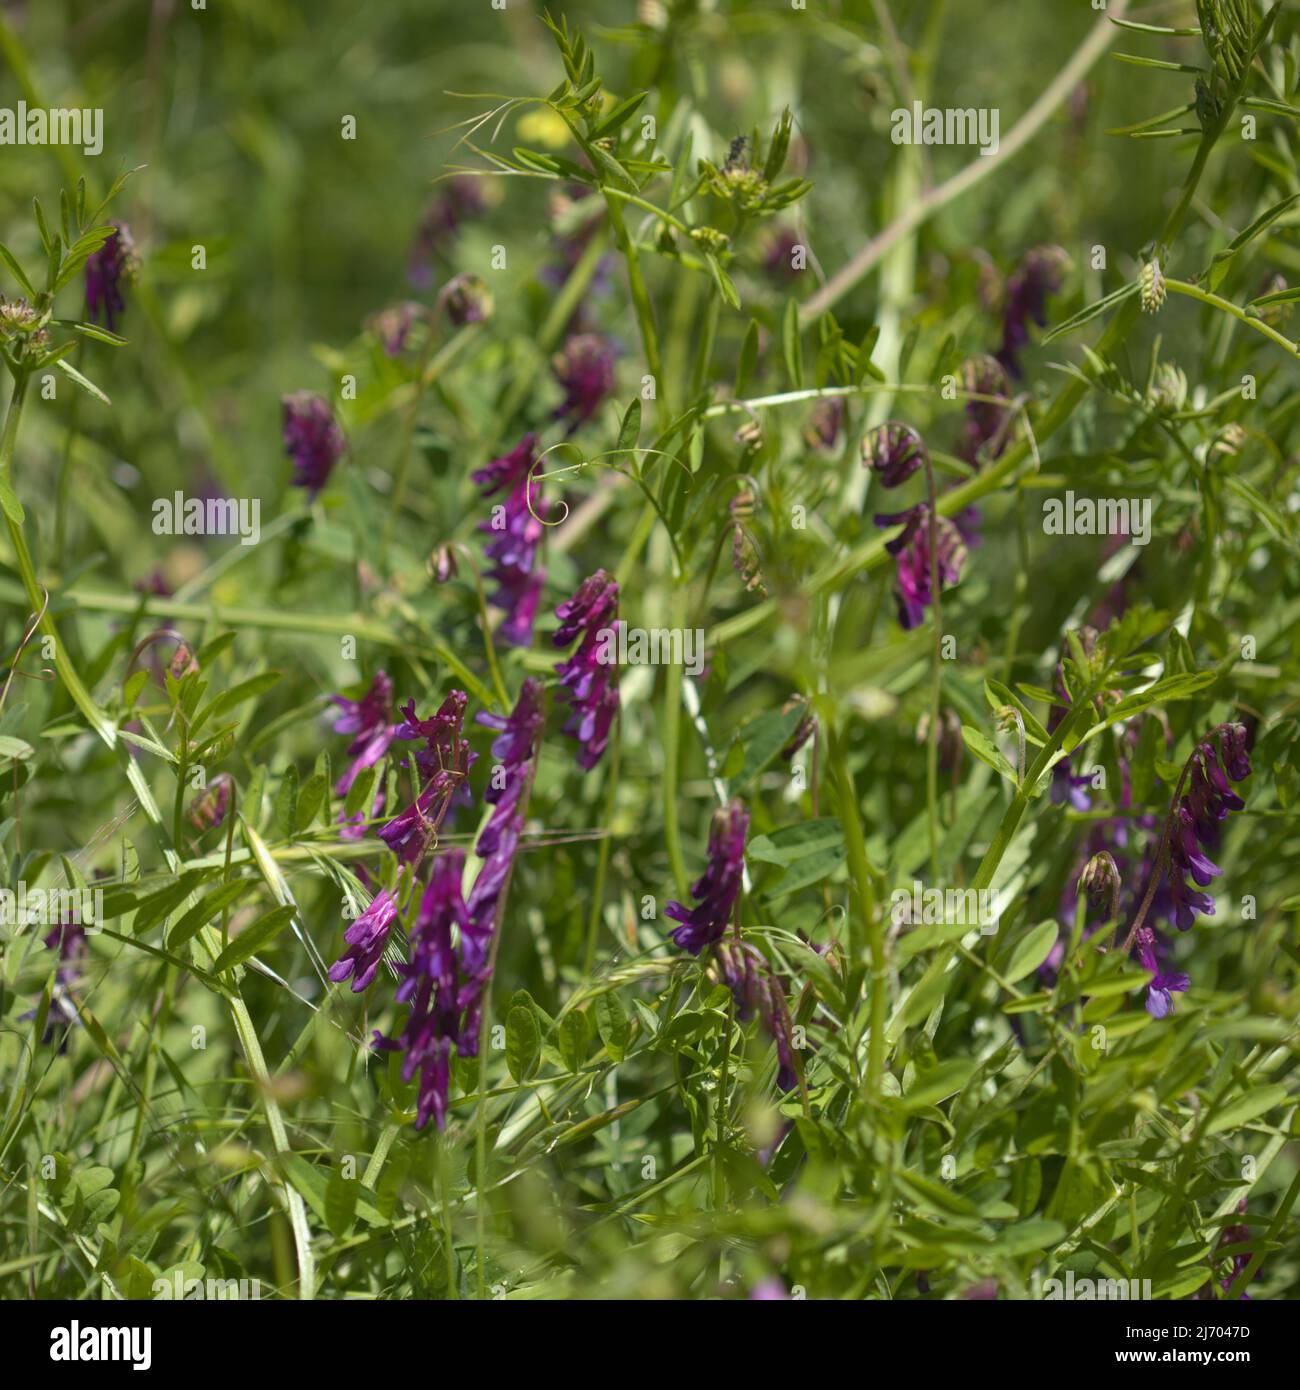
[(894, 451), (1206, 803), (312, 439), (441, 766), (1039, 275), (366, 939), (756, 990), (518, 530), (514, 750), (369, 720), (985, 420), (107, 270), (717, 887), (586, 675), (585, 370), (912, 549)]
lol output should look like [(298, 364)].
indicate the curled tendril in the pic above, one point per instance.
[(596, 460)]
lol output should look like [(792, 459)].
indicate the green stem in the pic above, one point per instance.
[(672, 732)]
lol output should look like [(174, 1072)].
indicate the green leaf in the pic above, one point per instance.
[(208, 907), (574, 1039), (252, 939), (85, 383), (612, 1024), (287, 801), (19, 273), (10, 504), (1102, 306), (618, 116), (629, 432), (1031, 951), (1246, 1108), (310, 799), (523, 1043)]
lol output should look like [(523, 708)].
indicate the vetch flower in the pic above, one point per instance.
[(312, 439), (107, 271), (1039, 275), (392, 326), (824, 423), (369, 720), (717, 887), (757, 990), (585, 370), (515, 751), (1195, 826), (442, 766), (443, 998), (208, 809), (984, 435), (457, 200), (912, 551), (518, 529), (468, 300), (894, 451), (366, 939), (587, 676)]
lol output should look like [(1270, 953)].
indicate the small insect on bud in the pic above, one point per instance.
[(895, 451), (1100, 879), (1151, 287), (443, 564), (208, 809), (468, 300)]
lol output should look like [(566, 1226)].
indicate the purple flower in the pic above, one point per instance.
[(392, 326), (514, 751), (1237, 1234), (442, 765), (1206, 803), (985, 424), (1039, 274), (208, 809), (443, 998), (468, 300), (368, 719), (312, 439), (717, 887), (586, 675), (768, 1291), (912, 550), (518, 530), (824, 423), (366, 939), (894, 451), (458, 199), (585, 370), (755, 989), (779, 259), (107, 270)]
